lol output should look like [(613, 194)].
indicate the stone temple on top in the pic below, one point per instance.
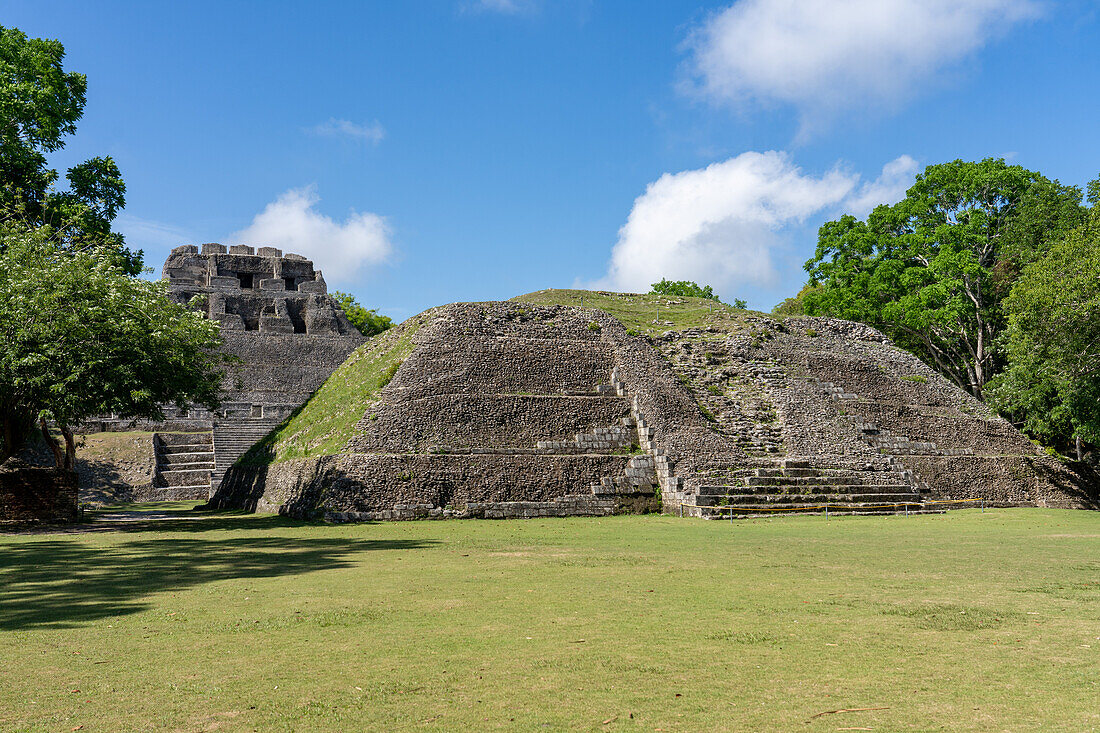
[(255, 290)]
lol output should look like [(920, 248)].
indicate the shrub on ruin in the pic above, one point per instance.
[(368, 321), (683, 288)]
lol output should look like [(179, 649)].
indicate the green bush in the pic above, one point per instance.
[(367, 321), (684, 288)]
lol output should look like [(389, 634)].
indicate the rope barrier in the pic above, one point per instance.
[(827, 507)]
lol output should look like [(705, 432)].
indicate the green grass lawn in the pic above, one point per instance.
[(964, 621)]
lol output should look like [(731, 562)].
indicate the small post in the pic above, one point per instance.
[(907, 509), (681, 510), (731, 515), (826, 511), (983, 505)]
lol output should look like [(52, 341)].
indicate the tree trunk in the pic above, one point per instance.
[(70, 449), (54, 445), (1080, 450)]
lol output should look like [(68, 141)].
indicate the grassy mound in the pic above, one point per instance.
[(325, 423), (648, 313)]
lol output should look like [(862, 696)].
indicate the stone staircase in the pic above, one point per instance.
[(803, 486), (184, 463), (733, 391), (232, 439)]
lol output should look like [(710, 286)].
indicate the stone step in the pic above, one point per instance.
[(193, 466), (184, 478), (837, 507), (723, 489), (171, 450), (714, 513), (172, 440), (850, 479), (175, 459), (798, 499)]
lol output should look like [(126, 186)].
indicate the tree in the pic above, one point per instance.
[(931, 270), (1052, 383), (795, 305), (368, 322), (80, 337), (683, 288), (40, 104)]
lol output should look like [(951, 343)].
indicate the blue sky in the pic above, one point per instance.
[(437, 151)]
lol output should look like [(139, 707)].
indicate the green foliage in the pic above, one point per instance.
[(41, 104), (794, 306), (919, 378), (80, 337), (1052, 384), (684, 288), (594, 326), (931, 270), (368, 322), (740, 304)]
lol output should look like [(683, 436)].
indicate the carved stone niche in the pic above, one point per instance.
[(275, 318)]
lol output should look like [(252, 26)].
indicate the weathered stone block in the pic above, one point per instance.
[(312, 286), (225, 282), (241, 249), (213, 248), (269, 252)]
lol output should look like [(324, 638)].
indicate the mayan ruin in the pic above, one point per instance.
[(516, 410), (549, 365), (286, 337)]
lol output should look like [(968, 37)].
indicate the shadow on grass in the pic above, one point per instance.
[(63, 582)]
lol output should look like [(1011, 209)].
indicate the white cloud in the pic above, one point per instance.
[(291, 223), (825, 55), (507, 7), (371, 132), (889, 188), (722, 224)]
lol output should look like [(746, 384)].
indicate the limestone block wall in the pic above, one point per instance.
[(34, 495), (505, 364), (482, 421), (281, 368)]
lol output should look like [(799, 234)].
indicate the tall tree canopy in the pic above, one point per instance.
[(932, 270), (1052, 383), (80, 337), (40, 104)]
